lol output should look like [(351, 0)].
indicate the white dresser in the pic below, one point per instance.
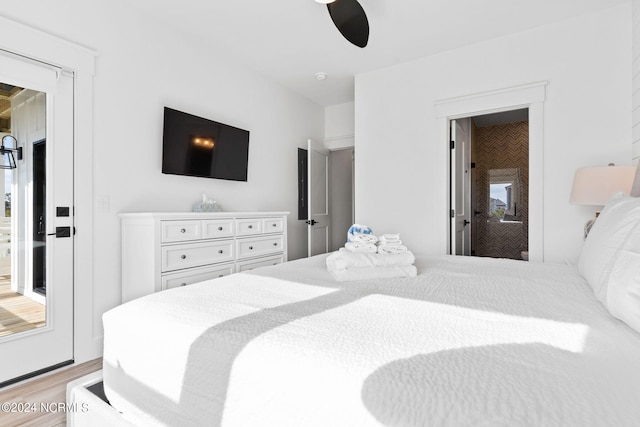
[(165, 250)]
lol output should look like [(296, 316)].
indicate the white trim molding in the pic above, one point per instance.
[(339, 142), (531, 96)]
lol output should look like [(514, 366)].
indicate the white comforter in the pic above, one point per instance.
[(468, 342)]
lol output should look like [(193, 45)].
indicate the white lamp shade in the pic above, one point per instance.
[(596, 185)]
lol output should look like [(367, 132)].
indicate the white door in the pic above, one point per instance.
[(41, 211), (460, 187), (318, 197)]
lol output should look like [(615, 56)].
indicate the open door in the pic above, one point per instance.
[(318, 198), (460, 187)]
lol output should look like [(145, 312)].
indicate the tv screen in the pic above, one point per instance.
[(195, 146)]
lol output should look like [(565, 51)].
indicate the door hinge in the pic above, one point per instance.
[(473, 165), (453, 213), (453, 145)]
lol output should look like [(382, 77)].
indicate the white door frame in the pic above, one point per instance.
[(32, 43), (460, 197), (318, 218), (529, 96)]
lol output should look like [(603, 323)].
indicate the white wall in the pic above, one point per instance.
[(140, 68), (339, 126), (636, 81), (401, 165)]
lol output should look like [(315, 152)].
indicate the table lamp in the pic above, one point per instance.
[(597, 184)]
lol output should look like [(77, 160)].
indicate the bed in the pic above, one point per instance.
[(467, 342)]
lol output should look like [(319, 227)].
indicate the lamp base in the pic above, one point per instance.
[(589, 224)]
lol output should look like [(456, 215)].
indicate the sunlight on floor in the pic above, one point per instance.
[(18, 313)]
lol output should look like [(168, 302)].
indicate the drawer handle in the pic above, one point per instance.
[(222, 275), (219, 228), (183, 256), (183, 284), (250, 226), (220, 251), (275, 244), (250, 248), (182, 230), (274, 225)]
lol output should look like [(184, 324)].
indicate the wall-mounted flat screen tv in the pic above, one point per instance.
[(196, 146)]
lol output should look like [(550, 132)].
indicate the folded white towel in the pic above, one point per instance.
[(389, 242), (392, 249), (364, 238), (344, 259), (361, 247), (395, 236), (373, 273), (389, 239)]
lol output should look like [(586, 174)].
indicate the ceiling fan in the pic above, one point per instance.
[(350, 19)]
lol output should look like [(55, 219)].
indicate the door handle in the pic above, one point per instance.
[(312, 222), (41, 226), (465, 222), (61, 232)]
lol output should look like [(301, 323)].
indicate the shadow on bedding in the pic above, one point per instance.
[(203, 396), (511, 384)]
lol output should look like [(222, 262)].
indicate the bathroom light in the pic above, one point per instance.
[(203, 142)]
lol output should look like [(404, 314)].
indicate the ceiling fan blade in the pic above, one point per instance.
[(350, 19)]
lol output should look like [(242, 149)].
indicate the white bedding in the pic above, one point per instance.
[(469, 341)]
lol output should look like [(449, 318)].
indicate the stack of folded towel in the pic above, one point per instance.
[(361, 239), (366, 257), (391, 244)]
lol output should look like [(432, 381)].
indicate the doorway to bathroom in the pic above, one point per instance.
[(490, 185)]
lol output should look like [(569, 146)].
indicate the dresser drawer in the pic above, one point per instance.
[(176, 257), (248, 226), (273, 225), (180, 231), (262, 262), (213, 229), (195, 275), (247, 248)]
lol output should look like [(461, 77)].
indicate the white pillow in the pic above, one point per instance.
[(607, 236), (623, 286), (623, 291)]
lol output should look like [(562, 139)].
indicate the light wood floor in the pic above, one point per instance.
[(48, 388), (17, 312)]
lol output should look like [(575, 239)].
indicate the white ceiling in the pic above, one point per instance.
[(291, 40)]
